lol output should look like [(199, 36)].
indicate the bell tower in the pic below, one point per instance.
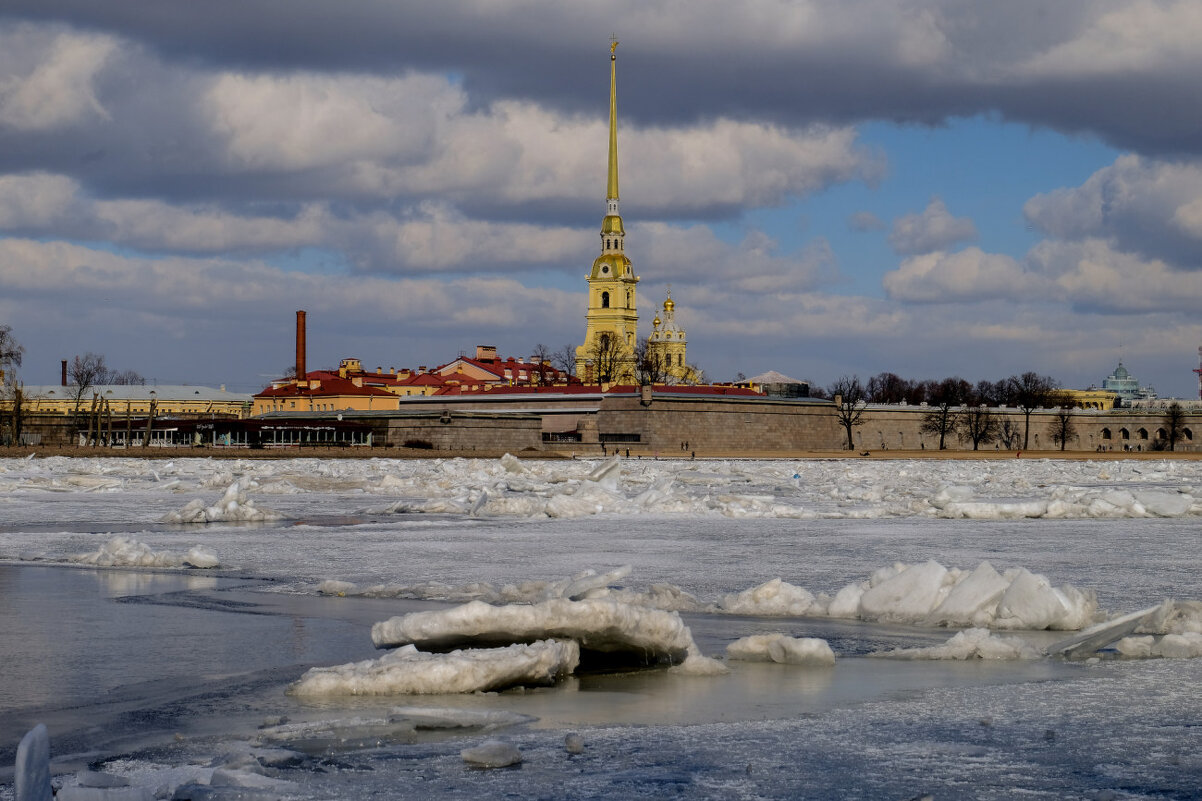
[(612, 319)]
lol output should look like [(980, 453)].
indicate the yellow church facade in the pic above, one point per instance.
[(611, 351)]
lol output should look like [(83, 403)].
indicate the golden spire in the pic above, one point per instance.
[(612, 188)]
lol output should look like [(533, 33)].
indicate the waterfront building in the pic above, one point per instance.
[(168, 399), (1126, 386)]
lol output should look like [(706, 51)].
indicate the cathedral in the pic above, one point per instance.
[(611, 350)]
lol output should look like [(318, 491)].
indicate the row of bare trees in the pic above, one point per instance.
[(956, 406)]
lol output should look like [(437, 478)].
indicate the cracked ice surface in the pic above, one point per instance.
[(694, 534), (1001, 489)]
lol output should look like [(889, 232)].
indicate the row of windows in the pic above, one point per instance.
[(1142, 433)]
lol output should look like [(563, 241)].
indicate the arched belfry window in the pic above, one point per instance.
[(605, 300)]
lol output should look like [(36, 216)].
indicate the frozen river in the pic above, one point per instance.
[(169, 674)]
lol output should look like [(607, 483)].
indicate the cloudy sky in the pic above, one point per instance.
[(931, 187)]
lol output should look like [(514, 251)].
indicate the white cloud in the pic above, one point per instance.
[(57, 89), (1092, 274), (415, 135), (968, 275), (38, 200), (933, 229), (1147, 206), (1126, 38)]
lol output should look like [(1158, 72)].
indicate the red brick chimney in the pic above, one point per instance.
[(301, 374), (64, 372)]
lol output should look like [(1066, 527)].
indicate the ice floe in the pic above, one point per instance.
[(534, 488), (128, 552), (970, 644), (782, 648), (601, 626), (409, 671), (492, 754)]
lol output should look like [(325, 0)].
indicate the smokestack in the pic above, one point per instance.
[(65, 370), (301, 373)]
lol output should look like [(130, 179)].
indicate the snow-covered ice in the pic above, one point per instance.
[(128, 552), (971, 644), (950, 568), (408, 671), (783, 649), (644, 635)]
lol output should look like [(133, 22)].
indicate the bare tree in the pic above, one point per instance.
[(543, 372), (11, 351), (850, 399), (564, 360), (1029, 391), (888, 388), (944, 395), (649, 365), (1063, 428), (90, 370), (1174, 424), (978, 425), (611, 361)]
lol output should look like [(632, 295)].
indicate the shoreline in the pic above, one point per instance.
[(296, 452)]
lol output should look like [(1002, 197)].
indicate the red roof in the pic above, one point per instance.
[(329, 386)]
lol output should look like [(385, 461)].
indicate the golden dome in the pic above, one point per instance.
[(656, 322), (669, 305)]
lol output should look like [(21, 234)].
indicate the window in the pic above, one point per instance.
[(1124, 434), (1143, 433), (605, 300), (1105, 433), (1189, 435)]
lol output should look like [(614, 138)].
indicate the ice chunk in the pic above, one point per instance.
[(200, 557), (607, 473), (1179, 646), (599, 625), (129, 552), (573, 743), (783, 649), (909, 596), (409, 671), (970, 644), (846, 602), (1164, 504), (32, 768), (583, 584), (512, 464), (775, 597), (801, 651), (973, 601), (1174, 617), (696, 664), (1032, 603), (1086, 643), (492, 754), (333, 587), (233, 507)]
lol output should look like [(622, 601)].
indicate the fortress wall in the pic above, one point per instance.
[(718, 425), (459, 431), (899, 427)]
